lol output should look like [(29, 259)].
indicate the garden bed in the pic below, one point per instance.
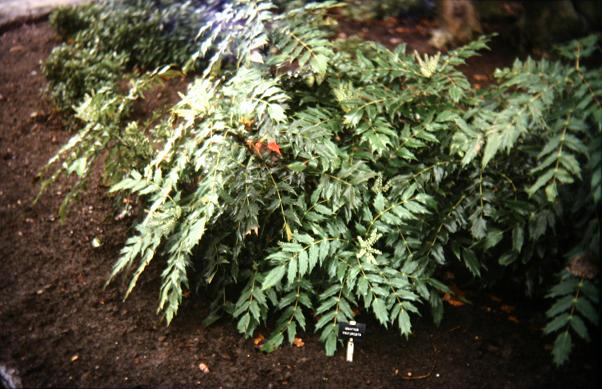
[(59, 327)]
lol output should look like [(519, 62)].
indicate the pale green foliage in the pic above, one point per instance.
[(322, 176)]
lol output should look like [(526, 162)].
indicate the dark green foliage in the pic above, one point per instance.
[(367, 9), (67, 21), (575, 301), (150, 34), (74, 72), (108, 39), (320, 176)]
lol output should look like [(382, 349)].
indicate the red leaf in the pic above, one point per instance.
[(274, 147)]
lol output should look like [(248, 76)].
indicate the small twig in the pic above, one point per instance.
[(416, 377), (453, 329)]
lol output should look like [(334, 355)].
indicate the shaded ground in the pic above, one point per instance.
[(59, 327)]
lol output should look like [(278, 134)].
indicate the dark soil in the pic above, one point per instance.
[(59, 327)]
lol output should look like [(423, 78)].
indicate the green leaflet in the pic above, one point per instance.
[(380, 311), (273, 277), (586, 308), (562, 347)]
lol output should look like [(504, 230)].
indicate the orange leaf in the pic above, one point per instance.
[(298, 342), (451, 300), (258, 146), (274, 147), (258, 341), (186, 294), (513, 319), (495, 298), (402, 30)]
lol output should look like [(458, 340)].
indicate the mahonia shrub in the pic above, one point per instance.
[(303, 177)]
